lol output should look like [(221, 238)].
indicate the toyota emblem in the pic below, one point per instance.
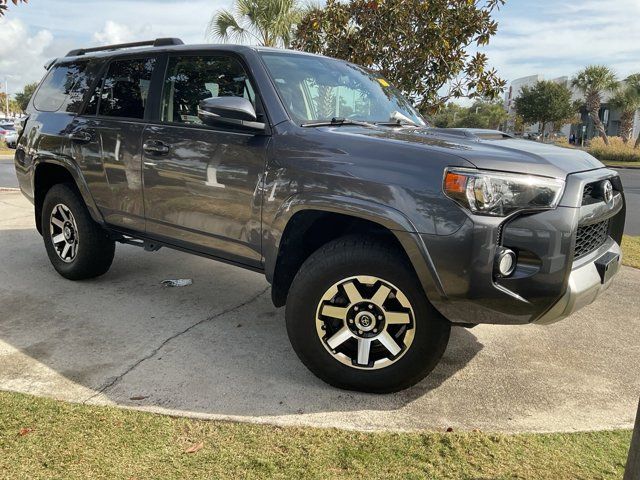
[(607, 191)]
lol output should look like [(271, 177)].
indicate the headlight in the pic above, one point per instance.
[(499, 194)]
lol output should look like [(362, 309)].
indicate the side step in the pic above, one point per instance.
[(136, 242)]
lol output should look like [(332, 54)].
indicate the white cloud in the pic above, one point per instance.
[(22, 54), (560, 38), (113, 32)]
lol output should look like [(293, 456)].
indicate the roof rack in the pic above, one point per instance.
[(158, 42)]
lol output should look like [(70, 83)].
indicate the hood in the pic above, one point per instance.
[(506, 154)]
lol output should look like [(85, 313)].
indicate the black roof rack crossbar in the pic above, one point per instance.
[(158, 42)]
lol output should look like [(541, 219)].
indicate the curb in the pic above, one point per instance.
[(9, 189), (625, 167)]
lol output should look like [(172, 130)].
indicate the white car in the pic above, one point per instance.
[(11, 138)]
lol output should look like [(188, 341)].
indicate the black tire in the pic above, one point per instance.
[(94, 251), (347, 257)]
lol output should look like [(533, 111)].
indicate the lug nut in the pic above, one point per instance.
[(379, 317), (375, 330), (351, 320), (355, 308), (370, 307), (360, 332)]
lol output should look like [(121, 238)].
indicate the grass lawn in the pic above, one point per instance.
[(43, 438), (631, 251), (622, 164)]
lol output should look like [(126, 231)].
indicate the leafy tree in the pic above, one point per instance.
[(24, 96), (627, 100), (448, 116), (268, 22), (593, 82), (544, 102), (420, 46), (3, 5), (484, 114)]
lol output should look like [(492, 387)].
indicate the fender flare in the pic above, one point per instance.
[(75, 172), (388, 217)]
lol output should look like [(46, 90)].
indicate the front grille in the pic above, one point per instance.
[(590, 237)]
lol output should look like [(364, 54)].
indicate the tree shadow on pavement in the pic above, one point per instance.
[(217, 347)]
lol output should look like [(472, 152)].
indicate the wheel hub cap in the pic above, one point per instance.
[(63, 231), (365, 322)]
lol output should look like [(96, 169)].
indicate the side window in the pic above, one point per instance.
[(192, 79), (125, 88), (65, 87)]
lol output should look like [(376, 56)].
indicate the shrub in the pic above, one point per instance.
[(617, 151)]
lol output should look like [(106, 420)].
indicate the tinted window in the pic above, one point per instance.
[(65, 87), (126, 87), (192, 79)]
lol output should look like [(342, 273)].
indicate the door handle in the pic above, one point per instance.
[(81, 136), (155, 147)]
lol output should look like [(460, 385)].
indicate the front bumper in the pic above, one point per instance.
[(585, 284), (549, 283)]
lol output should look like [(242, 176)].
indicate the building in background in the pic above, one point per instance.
[(610, 116)]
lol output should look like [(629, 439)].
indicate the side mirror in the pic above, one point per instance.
[(230, 112)]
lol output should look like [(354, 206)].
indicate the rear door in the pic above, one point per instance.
[(203, 184), (108, 136)]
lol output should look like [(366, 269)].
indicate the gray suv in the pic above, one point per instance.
[(378, 232)]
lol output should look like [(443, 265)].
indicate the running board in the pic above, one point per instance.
[(136, 242)]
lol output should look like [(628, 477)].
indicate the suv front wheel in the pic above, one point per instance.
[(77, 247), (358, 319)]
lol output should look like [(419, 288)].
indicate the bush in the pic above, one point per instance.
[(617, 151)]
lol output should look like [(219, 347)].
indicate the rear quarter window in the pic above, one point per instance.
[(65, 87)]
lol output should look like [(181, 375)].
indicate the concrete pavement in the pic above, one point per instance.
[(218, 349)]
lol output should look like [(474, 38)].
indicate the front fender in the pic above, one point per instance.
[(391, 219)]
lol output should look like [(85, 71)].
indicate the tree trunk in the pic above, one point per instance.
[(593, 107), (637, 145), (626, 125), (632, 472), (544, 126)]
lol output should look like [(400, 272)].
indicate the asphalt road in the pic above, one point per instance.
[(218, 349), (630, 180)]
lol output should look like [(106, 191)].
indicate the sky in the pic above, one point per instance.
[(552, 38)]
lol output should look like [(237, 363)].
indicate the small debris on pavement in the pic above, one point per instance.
[(139, 397), (25, 431), (178, 282)]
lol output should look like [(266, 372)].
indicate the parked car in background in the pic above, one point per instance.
[(377, 231), (11, 138), (6, 128)]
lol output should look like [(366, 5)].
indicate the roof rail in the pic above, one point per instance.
[(158, 42)]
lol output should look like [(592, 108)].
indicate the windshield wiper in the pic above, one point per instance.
[(336, 122), (397, 119)]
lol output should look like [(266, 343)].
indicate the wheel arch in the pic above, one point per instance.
[(305, 222), (51, 171)]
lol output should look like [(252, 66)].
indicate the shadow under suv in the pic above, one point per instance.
[(377, 231)]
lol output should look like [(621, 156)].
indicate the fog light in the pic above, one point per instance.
[(505, 262)]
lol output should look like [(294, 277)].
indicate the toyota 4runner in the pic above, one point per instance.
[(377, 231)]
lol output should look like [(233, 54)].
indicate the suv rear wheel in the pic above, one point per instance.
[(77, 247), (358, 318)]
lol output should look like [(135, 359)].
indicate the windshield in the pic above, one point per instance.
[(316, 89)]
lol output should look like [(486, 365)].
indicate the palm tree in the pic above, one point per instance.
[(267, 22), (633, 81), (593, 82), (627, 100)]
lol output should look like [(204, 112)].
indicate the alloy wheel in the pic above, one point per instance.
[(365, 322), (64, 233)]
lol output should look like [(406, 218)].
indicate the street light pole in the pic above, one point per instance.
[(6, 94)]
